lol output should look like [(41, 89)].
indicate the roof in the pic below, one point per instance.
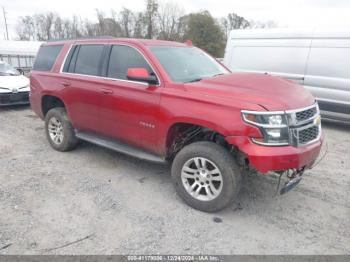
[(145, 42), (19, 47), (290, 33)]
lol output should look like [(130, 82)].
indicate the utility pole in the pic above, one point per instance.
[(7, 32)]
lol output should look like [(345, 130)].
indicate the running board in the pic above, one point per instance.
[(120, 147)]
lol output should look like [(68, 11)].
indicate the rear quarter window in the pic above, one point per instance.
[(46, 57)]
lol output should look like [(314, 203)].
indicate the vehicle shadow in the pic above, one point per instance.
[(256, 188)]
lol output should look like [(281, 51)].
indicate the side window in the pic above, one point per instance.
[(122, 58), (46, 57), (71, 59), (86, 60)]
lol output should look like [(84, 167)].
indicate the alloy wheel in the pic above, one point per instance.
[(202, 179), (55, 130)]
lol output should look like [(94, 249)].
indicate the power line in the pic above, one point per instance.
[(5, 20)]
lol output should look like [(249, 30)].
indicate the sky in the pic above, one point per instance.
[(286, 13)]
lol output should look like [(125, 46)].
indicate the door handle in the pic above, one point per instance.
[(107, 91), (65, 83)]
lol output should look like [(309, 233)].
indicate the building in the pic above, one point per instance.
[(19, 54)]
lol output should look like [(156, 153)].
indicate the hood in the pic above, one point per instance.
[(11, 82), (272, 93)]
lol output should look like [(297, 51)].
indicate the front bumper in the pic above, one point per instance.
[(278, 158), (20, 98)]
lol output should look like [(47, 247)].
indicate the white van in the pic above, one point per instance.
[(319, 60)]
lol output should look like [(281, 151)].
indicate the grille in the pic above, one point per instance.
[(14, 98), (306, 114), (308, 134)]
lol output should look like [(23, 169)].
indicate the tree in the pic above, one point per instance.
[(169, 15), (166, 20), (150, 18), (127, 21), (25, 28), (58, 28), (140, 26), (262, 24), (44, 24), (204, 32), (107, 26), (233, 21)]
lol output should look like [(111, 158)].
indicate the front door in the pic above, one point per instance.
[(129, 109)]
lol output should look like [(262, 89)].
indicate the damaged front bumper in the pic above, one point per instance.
[(293, 177)]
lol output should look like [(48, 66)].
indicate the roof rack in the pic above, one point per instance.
[(82, 38)]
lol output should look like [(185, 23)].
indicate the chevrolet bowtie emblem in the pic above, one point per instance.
[(317, 120)]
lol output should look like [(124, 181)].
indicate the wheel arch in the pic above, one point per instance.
[(49, 101), (181, 126)]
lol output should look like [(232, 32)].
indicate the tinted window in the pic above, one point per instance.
[(69, 64), (88, 60), (122, 58), (46, 57)]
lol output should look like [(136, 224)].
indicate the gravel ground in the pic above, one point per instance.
[(95, 201)]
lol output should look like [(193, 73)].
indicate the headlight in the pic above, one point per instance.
[(273, 126)]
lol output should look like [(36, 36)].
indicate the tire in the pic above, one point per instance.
[(56, 119), (219, 194)]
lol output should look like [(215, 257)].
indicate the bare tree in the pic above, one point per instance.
[(58, 32), (262, 24), (233, 21), (140, 26), (107, 25), (25, 28), (166, 20), (150, 18), (169, 15), (127, 21)]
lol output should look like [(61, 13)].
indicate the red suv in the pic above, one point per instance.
[(171, 102)]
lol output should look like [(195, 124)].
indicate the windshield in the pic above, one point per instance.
[(187, 64), (8, 70)]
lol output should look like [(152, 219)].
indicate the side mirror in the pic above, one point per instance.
[(141, 75)]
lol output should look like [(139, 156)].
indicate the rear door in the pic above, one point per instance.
[(129, 111), (83, 85)]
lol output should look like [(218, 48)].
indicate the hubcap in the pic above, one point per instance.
[(201, 178), (55, 130)]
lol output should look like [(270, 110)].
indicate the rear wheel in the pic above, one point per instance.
[(59, 130), (206, 176)]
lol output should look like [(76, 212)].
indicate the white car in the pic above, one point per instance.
[(14, 87)]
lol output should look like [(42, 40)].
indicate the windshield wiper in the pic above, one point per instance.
[(220, 74), (199, 78), (194, 80)]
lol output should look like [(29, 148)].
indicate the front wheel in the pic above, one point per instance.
[(206, 176)]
